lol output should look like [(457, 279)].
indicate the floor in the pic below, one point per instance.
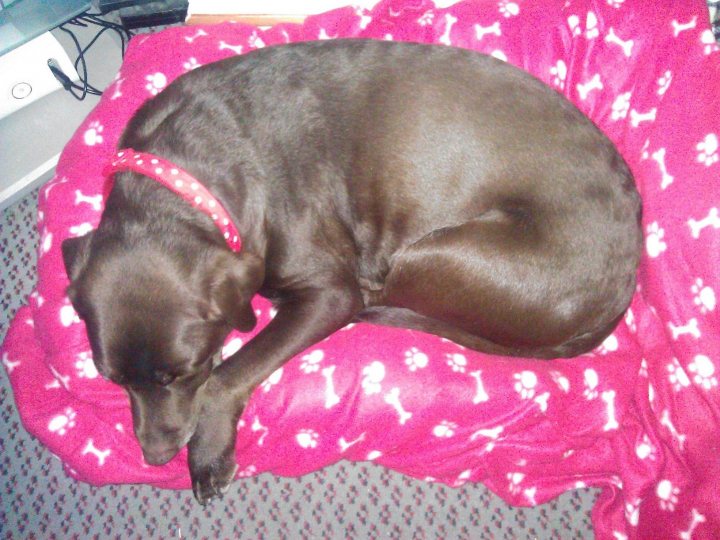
[(347, 500)]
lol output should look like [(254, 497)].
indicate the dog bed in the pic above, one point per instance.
[(639, 417)]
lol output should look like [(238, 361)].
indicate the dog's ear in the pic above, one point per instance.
[(75, 252), (236, 278)]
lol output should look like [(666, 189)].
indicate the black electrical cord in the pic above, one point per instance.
[(84, 20)]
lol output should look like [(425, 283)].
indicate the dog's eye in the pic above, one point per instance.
[(163, 378)]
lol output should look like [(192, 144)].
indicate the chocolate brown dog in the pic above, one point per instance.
[(409, 185)]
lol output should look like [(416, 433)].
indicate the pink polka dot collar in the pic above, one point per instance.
[(181, 182)]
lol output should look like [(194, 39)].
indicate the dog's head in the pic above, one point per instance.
[(156, 320)]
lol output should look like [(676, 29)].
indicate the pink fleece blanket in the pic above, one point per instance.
[(639, 417)]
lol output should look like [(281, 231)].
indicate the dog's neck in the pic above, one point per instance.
[(181, 182)]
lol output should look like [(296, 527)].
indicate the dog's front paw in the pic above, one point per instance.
[(212, 479)]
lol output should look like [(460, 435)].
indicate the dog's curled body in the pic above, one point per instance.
[(410, 185)]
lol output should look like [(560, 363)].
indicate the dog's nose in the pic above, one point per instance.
[(159, 455)]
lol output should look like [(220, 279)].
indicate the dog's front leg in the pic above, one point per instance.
[(307, 317)]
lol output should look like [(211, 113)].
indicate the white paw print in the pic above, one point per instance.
[(426, 18), (654, 243), (68, 316), (664, 82), (610, 345), (561, 380), (415, 359), (592, 380), (632, 512), (373, 375), (630, 321), (307, 438), (645, 449), (592, 31), (191, 64), (668, 495), (559, 73), (574, 24), (85, 366), (256, 41), (61, 423), (703, 371), (708, 150), (621, 106), (515, 478), (231, 347), (311, 362), (445, 429), (508, 9), (457, 362), (704, 296), (525, 384), (155, 83), (93, 135), (272, 380), (708, 40), (677, 376)]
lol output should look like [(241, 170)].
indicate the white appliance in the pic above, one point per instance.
[(25, 76)]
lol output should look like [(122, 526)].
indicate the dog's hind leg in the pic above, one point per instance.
[(491, 284)]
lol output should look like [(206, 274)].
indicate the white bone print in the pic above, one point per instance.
[(80, 230), (366, 19), (593, 84), (664, 82), (609, 398), (626, 46), (482, 31), (196, 35), (615, 3), (654, 241), (10, 365), (331, 397), (711, 220), (667, 422), (118, 89), (345, 445), (393, 399), (659, 158), (480, 394), (561, 380), (668, 494), (703, 371), (488, 433), (704, 296), (696, 519), (691, 328), (101, 455), (237, 49), (708, 150), (93, 200), (231, 347), (373, 376), (60, 380), (679, 27), (636, 118), (449, 23)]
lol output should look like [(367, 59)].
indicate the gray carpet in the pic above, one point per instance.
[(344, 501)]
